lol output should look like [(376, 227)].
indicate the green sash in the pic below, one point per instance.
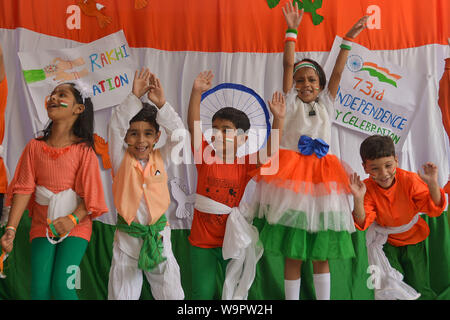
[(151, 253)]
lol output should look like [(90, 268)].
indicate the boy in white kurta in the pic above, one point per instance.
[(142, 240)]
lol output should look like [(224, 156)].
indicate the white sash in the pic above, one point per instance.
[(391, 285), (240, 243), (59, 205)]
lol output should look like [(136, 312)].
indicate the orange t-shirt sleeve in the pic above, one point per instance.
[(88, 184), (422, 198), (24, 180)]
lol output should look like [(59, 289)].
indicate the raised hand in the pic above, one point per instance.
[(357, 187), (359, 26), (430, 175), (278, 106), (292, 15), (203, 82), (156, 92), (141, 82)]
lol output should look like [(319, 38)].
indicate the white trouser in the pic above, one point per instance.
[(125, 278), (389, 281), (240, 243)]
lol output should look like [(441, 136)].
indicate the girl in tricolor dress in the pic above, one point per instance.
[(58, 175), (304, 206)]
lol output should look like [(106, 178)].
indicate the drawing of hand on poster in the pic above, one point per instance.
[(59, 70), (105, 67)]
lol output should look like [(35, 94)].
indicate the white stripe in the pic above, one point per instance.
[(291, 35), (259, 71)]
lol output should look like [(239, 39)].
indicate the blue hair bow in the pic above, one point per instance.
[(307, 145)]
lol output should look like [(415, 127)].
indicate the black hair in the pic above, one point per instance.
[(147, 114), (83, 127), (320, 72), (375, 147), (237, 117)]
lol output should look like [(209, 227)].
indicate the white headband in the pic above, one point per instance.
[(305, 65), (83, 89)]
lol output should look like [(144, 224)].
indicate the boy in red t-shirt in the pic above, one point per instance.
[(222, 177), (390, 200)]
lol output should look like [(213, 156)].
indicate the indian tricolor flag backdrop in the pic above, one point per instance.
[(241, 41)]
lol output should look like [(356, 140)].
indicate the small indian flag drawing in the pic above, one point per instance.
[(382, 74)]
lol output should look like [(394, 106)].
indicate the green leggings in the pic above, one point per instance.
[(412, 262), (54, 267), (206, 262)]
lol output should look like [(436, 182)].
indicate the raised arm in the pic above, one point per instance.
[(358, 189), (278, 108), (121, 116), (430, 177), (202, 83), (167, 117), (341, 59), (293, 18)]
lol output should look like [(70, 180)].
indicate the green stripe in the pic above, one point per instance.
[(34, 75), (291, 31), (348, 276), (346, 47), (381, 77)]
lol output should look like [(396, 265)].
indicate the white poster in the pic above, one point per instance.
[(375, 96), (105, 67)]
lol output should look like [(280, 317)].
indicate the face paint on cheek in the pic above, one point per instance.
[(64, 104)]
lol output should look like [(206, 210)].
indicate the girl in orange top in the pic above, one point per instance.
[(60, 162), (392, 198)]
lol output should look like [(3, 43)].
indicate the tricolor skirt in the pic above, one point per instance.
[(303, 211)]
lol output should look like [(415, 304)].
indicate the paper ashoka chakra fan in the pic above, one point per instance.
[(242, 98)]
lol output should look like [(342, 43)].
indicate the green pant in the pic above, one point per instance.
[(207, 264), (411, 260), (54, 268)]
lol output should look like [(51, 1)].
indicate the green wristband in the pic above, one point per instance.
[(345, 47), (52, 228), (292, 31)]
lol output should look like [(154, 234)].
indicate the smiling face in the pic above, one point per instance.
[(307, 84), (62, 104), (141, 138), (382, 170)]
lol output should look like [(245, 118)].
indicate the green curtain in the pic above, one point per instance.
[(348, 277)]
